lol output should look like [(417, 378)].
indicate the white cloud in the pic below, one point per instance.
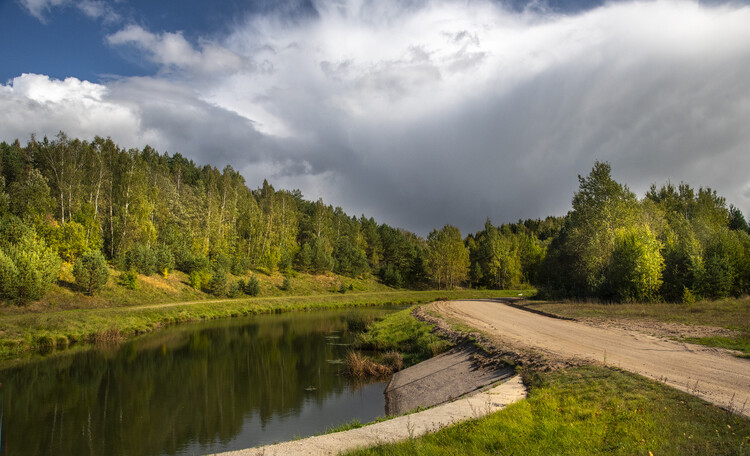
[(34, 103), (173, 51), (95, 9), (437, 112)]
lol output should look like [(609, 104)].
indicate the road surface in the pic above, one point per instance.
[(712, 374)]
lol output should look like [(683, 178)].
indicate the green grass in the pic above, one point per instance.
[(740, 343), (590, 410), (27, 332), (156, 289), (403, 333), (730, 313)]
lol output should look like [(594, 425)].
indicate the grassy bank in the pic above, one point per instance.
[(731, 313), (157, 289), (591, 410), (403, 333), (50, 330)]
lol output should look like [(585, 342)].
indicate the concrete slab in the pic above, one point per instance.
[(438, 380)]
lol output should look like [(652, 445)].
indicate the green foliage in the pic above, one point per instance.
[(188, 262), (634, 272), (30, 198), (350, 261), (322, 260), (198, 279), (129, 279), (236, 289), (252, 287), (91, 272), (28, 266), (737, 220), (69, 240), (727, 257), (687, 296), (448, 258), (286, 285), (217, 284), (164, 261), (139, 258), (391, 276)]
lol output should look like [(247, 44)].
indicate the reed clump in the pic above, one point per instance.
[(361, 366)]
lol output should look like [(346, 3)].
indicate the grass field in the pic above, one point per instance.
[(590, 410), (731, 313)]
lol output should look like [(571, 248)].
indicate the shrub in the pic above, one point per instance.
[(217, 284), (287, 284), (91, 272), (240, 265), (199, 278), (189, 263), (164, 260), (236, 289), (129, 279), (27, 270), (139, 258), (688, 297), (252, 287)]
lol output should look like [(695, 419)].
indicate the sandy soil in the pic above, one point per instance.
[(712, 374)]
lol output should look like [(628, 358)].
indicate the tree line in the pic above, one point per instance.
[(94, 203), (68, 200)]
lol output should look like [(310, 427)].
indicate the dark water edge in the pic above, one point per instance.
[(193, 389)]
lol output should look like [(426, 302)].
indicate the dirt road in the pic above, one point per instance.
[(709, 373)]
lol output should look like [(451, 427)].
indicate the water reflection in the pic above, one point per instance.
[(194, 389)]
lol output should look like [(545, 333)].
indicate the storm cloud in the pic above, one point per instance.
[(427, 113)]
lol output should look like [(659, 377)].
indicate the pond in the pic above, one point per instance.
[(191, 389)]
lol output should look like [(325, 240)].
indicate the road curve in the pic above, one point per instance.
[(709, 373)]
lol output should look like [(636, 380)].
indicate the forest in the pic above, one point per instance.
[(96, 205)]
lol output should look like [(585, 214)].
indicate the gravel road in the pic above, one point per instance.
[(712, 374)]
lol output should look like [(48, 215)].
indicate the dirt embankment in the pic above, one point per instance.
[(537, 341)]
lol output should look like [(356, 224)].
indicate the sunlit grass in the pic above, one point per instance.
[(591, 410)]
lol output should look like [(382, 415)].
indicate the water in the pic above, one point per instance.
[(192, 389)]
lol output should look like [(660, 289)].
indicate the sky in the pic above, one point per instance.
[(419, 113)]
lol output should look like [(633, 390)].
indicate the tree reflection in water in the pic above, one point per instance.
[(193, 389)]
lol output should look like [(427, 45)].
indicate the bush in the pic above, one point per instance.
[(236, 289), (129, 279), (688, 297), (189, 263), (70, 241), (91, 272), (164, 260), (217, 284), (240, 265), (27, 270), (252, 287), (139, 258), (287, 284), (199, 278)]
